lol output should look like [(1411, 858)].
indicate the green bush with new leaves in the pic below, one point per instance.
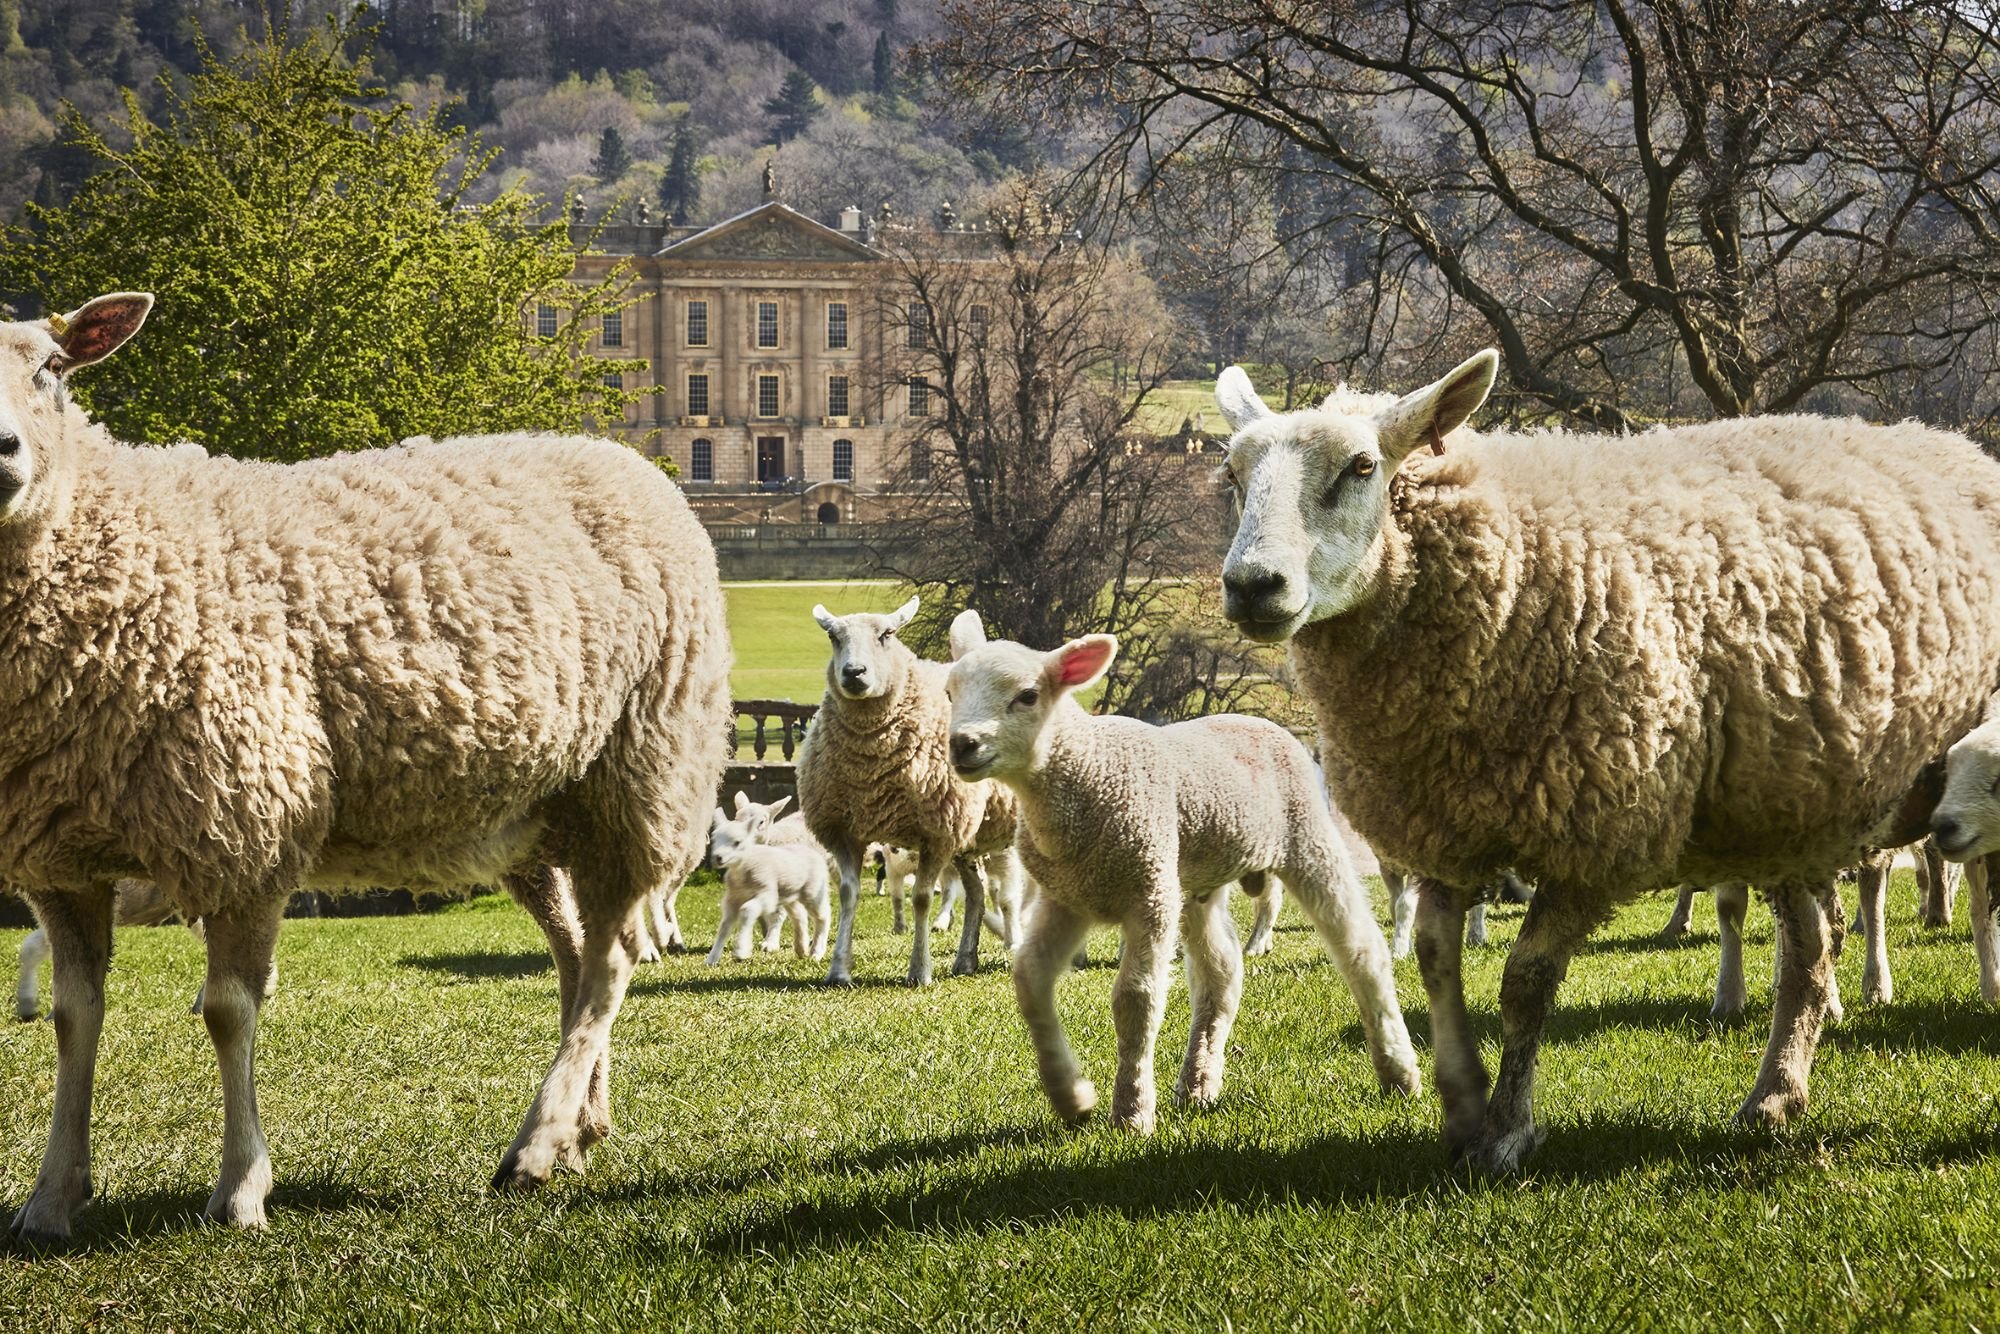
[(322, 284)]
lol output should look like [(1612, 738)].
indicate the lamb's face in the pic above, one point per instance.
[(867, 657), (1966, 823), (1314, 493), (727, 839), (35, 356), (1003, 696)]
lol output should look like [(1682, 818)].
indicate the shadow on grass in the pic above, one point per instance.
[(1163, 1179), (744, 978), (115, 1221), (477, 965)]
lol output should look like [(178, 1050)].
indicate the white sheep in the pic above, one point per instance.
[(872, 769), (1146, 827), (492, 660), (1699, 653), (762, 881), (1965, 825)]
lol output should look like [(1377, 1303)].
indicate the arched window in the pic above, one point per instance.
[(829, 512), (701, 461), (843, 460)]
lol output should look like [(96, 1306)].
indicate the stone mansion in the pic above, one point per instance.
[(767, 335)]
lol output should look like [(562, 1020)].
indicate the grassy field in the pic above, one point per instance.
[(788, 1157), (780, 653)]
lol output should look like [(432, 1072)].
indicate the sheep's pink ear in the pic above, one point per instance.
[(778, 806), (97, 328), (1080, 662), (1435, 411)]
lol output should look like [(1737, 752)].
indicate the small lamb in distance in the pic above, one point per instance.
[(765, 880), (1145, 827)]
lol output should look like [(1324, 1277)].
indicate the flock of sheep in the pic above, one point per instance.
[(1755, 652)]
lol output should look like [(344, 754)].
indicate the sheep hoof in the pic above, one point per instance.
[(27, 1016), (898, 928), (42, 1221), (1073, 1107), (1200, 1093), (1257, 948), (677, 947), (1990, 991), (1502, 1155), (516, 1174), (1137, 1120), (839, 977), (242, 1207), (1771, 1110), (965, 965)]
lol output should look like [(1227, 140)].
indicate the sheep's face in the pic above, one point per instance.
[(759, 817), (1966, 823), (867, 659), (727, 839), (35, 358), (1313, 492), (1003, 696)]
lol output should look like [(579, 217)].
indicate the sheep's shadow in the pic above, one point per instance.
[(743, 979), (478, 965), (1166, 1179), (115, 1221)]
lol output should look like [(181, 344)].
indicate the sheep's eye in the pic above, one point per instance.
[(1362, 466), (1230, 473), (1026, 699), (887, 635)]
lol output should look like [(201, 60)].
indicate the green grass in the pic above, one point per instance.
[(780, 653), (788, 1157)]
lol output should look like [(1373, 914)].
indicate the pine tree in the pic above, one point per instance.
[(612, 160), (885, 66), (680, 187), (792, 111)]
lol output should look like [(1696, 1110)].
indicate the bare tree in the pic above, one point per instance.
[(1034, 493), (1777, 204)]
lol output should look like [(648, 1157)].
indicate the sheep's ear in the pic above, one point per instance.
[(1435, 411), (740, 800), (775, 807), (1080, 662), (97, 328), (827, 620), (720, 819), (967, 633), (903, 615), (1237, 398)]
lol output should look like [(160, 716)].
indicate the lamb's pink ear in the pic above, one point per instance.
[(741, 799), (1080, 662), (779, 805), (1435, 411), (967, 633), (96, 329)]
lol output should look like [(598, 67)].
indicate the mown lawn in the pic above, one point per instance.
[(793, 1158), (780, 652)]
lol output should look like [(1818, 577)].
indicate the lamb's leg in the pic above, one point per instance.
[(1054, 935), (973, 919), (774, 931), (242, 942), (1338, 907), (656, 914), (896, 893), (1677, 925), (1877, 986), (649, 952), (801, 929), (1270, 896), (1461, 1077), (27, 991), (1836, 919), (1015, 903), (822, 915), (1402, 910), (929, 866), (79, 935), (1805, 971), (732, 910), (1139, 1002), (1475, 924), (1985, 930), (670, 940), (1215, 988), (1732, 904), (564, 1118), (847, 857), (754, 912)]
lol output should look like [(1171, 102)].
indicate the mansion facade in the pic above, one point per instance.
[(767, 336)]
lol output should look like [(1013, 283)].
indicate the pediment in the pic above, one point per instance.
[(771, 231)]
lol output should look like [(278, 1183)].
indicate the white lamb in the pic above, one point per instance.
[(872, 769), (1701, 653), (761, 881), (477, 661), (1966, 828), (1145, 827)]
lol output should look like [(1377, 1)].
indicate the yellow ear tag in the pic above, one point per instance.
[(58, 326)]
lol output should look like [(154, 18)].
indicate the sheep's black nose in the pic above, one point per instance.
[(9, 444), (853, 673), (1256, 587), (964, 749), (1947, 831)]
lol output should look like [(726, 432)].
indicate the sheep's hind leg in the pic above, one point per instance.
[(79, 935), (1055, 933), (1732, 905), (1215, 988), (1461, 1077), (1557, 922), (1937, 891), (27, 991), (656, 919), (1805, 972), (1139, 1003), (546, 894), (1683, 917), (1330, 895), (1269, 891), (929, 865), (840, 972), (1877, 986), (972, 917), (242, 944), (1402, 910)]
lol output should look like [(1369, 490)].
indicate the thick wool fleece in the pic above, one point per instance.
[(1711, 653), (426, 666), (877, 771)]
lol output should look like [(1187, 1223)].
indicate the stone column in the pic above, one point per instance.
[(812, 389), (725, 391)]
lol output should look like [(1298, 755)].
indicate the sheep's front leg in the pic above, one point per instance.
[(1985, 929), (1402, 910), (1461, 1077), (242, 944), (1475, 924), (1678, 924), (1139, 1002), (1732, 905), (1055, 932), (950, 891), (822, 915), (1805, 974), (1215, 988), (78, 928), (929, 866), (1270, 895), (801, 929), (27, 991), (1936, 887), (732, 913), (847, 857), (972, 918)]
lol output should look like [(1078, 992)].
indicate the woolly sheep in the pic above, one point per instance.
[(765, 880), (1708, 653), (1145, 827), (485, 660), (872, 769)]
